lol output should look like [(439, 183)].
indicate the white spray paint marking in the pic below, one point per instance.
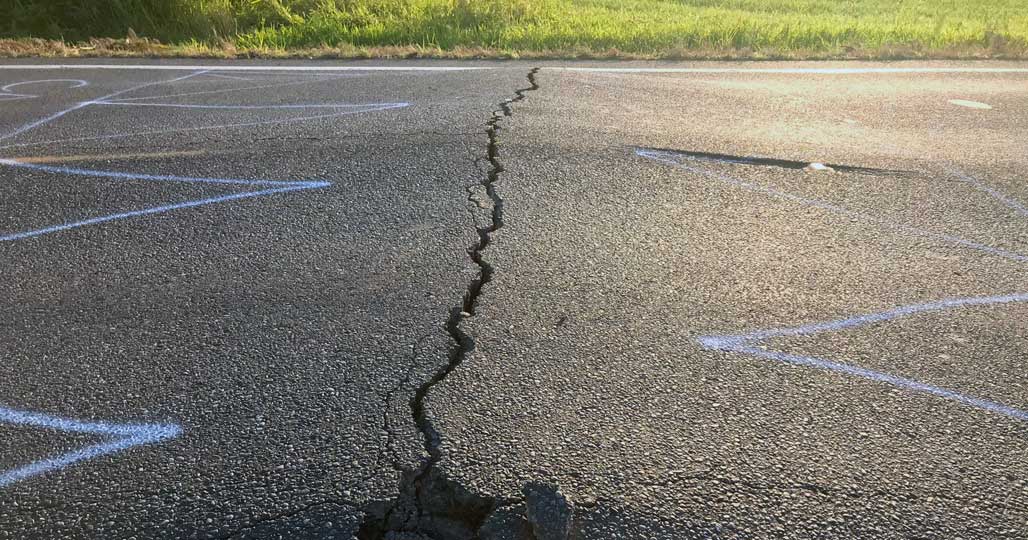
[(241, 89), (971, 104), (120, 437), (370, 106), (341, 112), (754, 344), (8, 95), (77, 106), (996, 194), (268, 187), (79, 83), (220, 76), (117, 437)]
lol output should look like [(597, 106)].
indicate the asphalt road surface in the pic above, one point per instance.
[(422, 300)]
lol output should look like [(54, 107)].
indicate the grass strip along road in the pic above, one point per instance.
[(519, 28)]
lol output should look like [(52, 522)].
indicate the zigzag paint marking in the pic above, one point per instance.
[(221, 91), (366, 108), (345, 112), (750, 344), (272, 187), (119, 437), (47, 119)]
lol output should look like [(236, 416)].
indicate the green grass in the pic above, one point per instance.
[(638, 28)]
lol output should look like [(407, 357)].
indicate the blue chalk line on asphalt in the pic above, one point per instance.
[(119, 437), (271, 187), (751, 343)]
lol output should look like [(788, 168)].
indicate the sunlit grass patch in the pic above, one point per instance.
[(561, 28)]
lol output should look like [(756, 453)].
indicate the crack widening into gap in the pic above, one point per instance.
[(387, 401), (387, 397), (428, 503)]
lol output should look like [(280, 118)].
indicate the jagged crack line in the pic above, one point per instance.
[(463, 344), (388, 399)]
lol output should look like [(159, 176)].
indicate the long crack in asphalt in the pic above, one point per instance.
[(429, 505)]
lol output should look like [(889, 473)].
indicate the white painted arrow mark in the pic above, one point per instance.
[(753, 344), (267, 187), (118, 437)]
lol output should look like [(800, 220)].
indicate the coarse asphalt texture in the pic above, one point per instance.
[(377, 299)]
